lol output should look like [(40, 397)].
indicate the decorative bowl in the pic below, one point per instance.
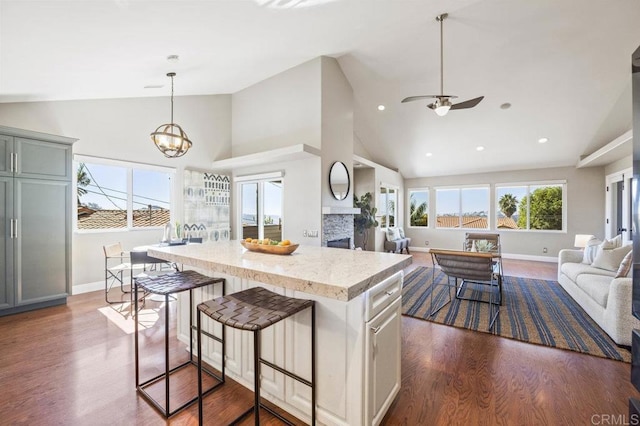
[(263, 248)]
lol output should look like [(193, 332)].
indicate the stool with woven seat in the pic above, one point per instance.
[(253, 310), (166, 285)]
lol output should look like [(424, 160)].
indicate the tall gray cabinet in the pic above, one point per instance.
[(36, 191)]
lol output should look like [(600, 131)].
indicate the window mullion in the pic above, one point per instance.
[(129, 198)]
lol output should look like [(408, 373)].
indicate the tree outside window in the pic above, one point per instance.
[(419, 208)]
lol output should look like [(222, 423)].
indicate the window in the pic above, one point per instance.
[(462, 207), (261, 206), (419, 208), (535, 206), (120, 195), (387, 202)]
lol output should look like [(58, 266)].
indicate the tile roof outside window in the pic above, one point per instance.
[(115, 219)]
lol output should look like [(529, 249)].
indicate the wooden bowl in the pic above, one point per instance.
[(262, 248)]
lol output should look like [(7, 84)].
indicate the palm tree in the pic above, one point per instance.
[(508, 204), (417, 213), (83, 181)]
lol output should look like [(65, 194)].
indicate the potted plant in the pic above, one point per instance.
[(366, 219)]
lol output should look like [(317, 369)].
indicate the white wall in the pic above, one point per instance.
[(618, 166), (585, 210), (280, 111), (119, 129), (337, 128)]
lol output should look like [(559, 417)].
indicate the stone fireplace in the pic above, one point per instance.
[(337, 224)]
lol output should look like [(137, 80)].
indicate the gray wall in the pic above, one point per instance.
[(585, 210)]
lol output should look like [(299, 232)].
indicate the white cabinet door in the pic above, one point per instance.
[(383, 362)]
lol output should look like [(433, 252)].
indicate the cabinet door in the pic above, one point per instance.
[(6, 242), (43, 241), (43, 160), (6, 149), (383, 362)]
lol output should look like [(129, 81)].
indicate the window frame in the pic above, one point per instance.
[(421, 189), (129, 166), (460, 188), (260, 179), (379, 217), (529, 184)]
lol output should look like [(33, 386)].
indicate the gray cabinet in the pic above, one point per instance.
[(36, 190)]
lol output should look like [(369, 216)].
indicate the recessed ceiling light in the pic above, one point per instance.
[(381, 107), (428, 154), (505, 105), (154, 86), (480, 148), (543, 140)]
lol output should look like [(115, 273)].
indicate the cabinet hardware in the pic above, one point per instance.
[(15, 225), (389, 293), (375, 329)]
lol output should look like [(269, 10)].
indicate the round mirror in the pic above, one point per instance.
[(339, 180)]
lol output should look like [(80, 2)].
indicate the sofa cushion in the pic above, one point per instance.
[(572, 270), (401, 232), (625, 266), (596, 286), (610, 259), (392, 234)]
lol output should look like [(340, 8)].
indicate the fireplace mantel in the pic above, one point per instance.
[(340, 210)]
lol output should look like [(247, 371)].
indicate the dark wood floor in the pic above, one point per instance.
[(70, 365)]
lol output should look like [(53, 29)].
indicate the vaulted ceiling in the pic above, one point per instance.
[(563, 65)]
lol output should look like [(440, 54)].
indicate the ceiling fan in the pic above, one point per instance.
[(442, 103)]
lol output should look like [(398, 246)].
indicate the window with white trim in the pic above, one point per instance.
[(119, 195), (462, 207), (261, 206), (387, 206), (419, 208), (531, 206)]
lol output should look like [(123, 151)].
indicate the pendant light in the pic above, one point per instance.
[(170, 138)]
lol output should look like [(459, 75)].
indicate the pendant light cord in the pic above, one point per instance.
[(172, 99)]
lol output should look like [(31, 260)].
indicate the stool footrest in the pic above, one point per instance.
[(141, 388), (264, 407), (286, 372)]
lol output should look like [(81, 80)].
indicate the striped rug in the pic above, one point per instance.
[(535, 311)]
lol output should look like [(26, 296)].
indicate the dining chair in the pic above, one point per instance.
[(486, 242), (116, 263)]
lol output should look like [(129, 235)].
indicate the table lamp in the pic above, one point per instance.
[(581, 240)]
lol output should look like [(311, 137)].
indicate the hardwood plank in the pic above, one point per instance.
[(71, 365)]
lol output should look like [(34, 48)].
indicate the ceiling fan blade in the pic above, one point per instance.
[(467, 104), (417, 98)]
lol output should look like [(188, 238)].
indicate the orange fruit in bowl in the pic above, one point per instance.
[(286, 243)]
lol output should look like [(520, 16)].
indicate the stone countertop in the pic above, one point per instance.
[(329, 272)]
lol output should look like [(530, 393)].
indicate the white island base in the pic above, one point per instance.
[(358, 340)]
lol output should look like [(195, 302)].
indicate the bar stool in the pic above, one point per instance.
[(253, 310), (166, 285)]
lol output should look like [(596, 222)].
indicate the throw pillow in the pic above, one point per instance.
[(392, 234), (590, 250), (610, 259), (401, 232), (625, 265), (612, 243)]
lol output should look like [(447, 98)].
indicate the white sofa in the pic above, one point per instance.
[(605, 298)]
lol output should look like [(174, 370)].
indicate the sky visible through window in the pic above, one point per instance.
[(473, 200), (272, 201), (108, 188)]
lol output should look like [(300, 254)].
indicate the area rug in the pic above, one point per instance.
[(534, 311)]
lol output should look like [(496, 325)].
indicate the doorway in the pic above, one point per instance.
[(261, 208), (618, 208)]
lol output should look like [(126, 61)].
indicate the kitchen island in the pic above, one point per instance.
[(357, 295)]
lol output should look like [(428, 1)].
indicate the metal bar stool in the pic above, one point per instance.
[(166, 285), (253, 310)]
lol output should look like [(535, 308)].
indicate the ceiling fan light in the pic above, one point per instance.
[(442, 110)]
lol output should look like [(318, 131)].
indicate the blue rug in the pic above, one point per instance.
[(534, 311)]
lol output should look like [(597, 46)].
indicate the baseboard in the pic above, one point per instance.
[(534, 258), (86, 288)]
